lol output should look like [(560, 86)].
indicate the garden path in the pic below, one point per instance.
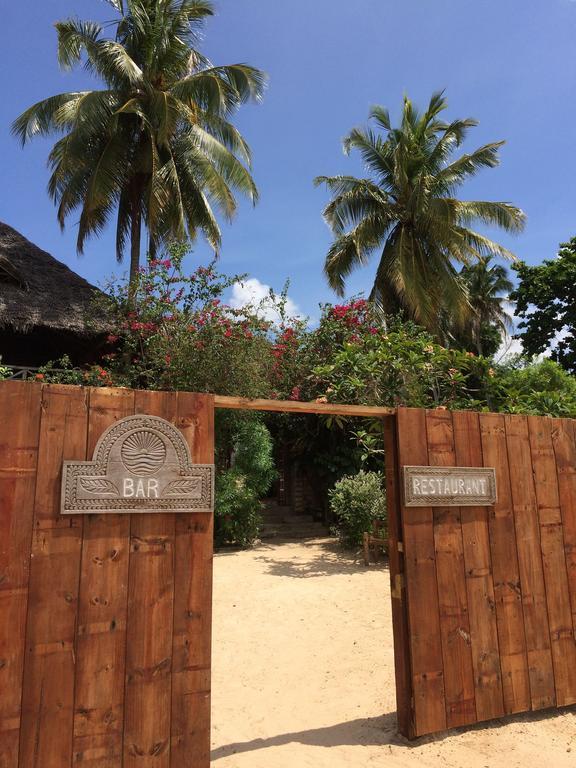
[(304, 676)]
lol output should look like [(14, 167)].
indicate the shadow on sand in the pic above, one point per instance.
[(325, 558), (375, 731)]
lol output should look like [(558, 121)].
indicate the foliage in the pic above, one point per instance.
[(546, 303), (62, 371), (407, 211), (173, 332), (541, 388), (253, 455), (240, 488), (357, 501), (156, 144), (402, 365), (237, 517)]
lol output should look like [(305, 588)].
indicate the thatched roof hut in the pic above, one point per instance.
[(46, 310)]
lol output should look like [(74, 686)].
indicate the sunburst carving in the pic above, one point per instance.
[(143, 453)]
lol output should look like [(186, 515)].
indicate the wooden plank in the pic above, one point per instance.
[(451, 576), (193, 602), (293, 406), (479, 579), (48, 688), (19, 426), (533, 591), (564, 443), (101, 636), (150, 618), (403, 672), (553, 559), (510, 620), (421, 586)]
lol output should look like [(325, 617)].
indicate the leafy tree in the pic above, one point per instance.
[(546, 303), (488, 286), (155, 145), (407, 211)]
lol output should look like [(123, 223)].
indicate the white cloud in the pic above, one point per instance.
[(253, 293), (509, 348)]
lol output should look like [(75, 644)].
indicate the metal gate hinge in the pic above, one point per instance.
[(398, 586)]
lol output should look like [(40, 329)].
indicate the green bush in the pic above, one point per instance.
[(539, 388), (356, 501), (253, 455), (239, 489), (237, 510)]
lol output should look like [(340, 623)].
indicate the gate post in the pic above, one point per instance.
[(402, 666)]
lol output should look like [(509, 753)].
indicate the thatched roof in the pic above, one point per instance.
[(37, 290)]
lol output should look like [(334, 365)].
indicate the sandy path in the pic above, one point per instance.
[(304, 678)]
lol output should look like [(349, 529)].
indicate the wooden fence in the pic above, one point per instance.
[(484, 598), (104, 619)]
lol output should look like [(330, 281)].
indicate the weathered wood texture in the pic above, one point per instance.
[(490, 591), (104, 619)]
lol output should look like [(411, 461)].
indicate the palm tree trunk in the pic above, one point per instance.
[(135, 237)]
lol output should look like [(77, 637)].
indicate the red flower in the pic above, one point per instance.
[(295, 394)]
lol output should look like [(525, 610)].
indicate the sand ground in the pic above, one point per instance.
[(304, 675)]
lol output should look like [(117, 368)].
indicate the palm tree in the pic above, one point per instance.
[(407, 211), (155, 146), (488, 286)]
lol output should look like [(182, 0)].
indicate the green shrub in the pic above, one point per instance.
[(239, 489), (237, 510), (539, 388), (356, 501), (253, 455)]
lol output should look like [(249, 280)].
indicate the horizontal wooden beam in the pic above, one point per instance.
[(294, 406)]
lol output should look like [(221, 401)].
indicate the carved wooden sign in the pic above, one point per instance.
[(140, 464), (449, 486)]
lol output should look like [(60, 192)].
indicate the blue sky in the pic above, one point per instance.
[(508, 63)]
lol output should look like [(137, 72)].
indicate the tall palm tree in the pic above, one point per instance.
[(155, 146), (488, 286), (406, 210)]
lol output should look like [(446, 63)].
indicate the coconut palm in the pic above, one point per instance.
[(406, 210), (488, 287), (156, 145)]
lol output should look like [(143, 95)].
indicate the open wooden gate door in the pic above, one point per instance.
[(484, 597), (104, 618)]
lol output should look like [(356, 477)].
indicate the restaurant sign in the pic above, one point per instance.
[(449, 486), (140, 464)]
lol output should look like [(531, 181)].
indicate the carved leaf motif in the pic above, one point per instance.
[(183, 487), (98, 485)]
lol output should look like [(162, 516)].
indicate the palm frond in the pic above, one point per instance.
[(41, 118)]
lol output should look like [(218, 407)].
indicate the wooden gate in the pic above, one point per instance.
[(484, 598), (104, 619)]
